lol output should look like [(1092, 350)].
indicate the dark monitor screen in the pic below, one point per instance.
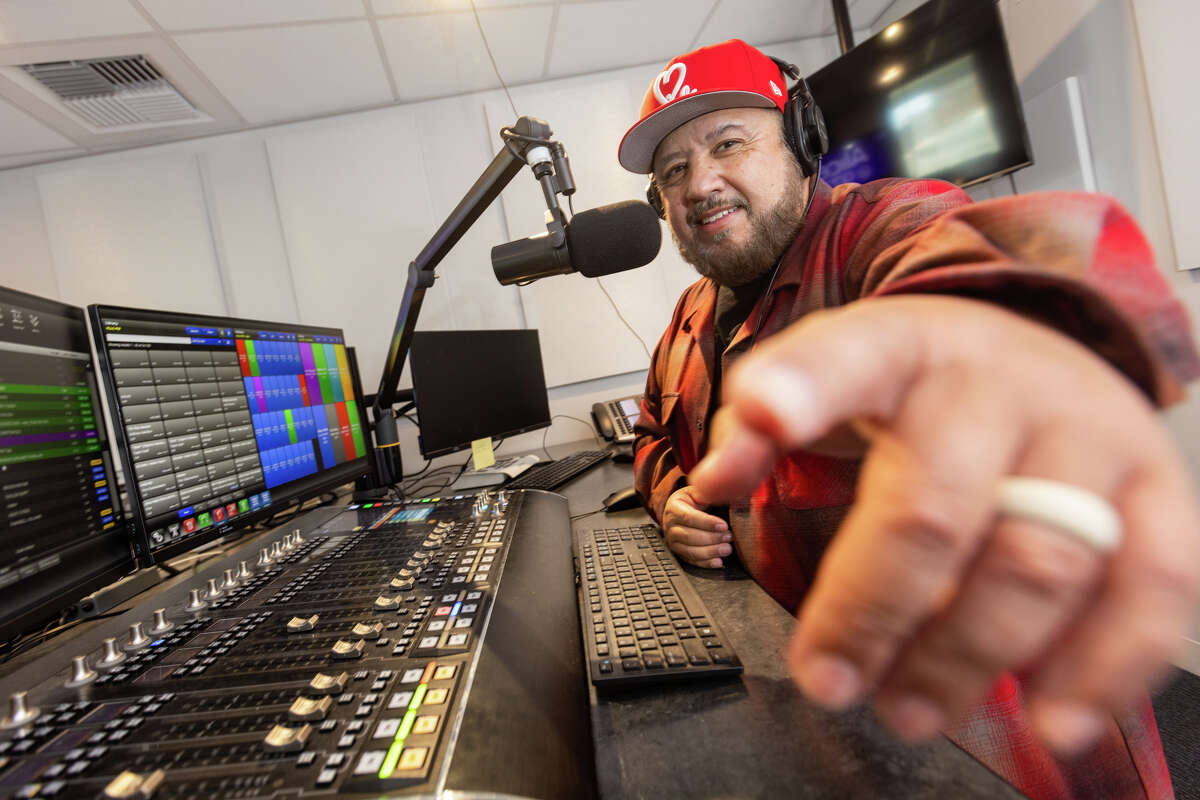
[(469, 385), (62, 533), (930, 96), (223, 422)]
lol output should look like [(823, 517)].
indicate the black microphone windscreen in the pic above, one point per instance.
[(614, 238)]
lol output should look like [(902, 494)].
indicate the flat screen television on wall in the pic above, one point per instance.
[(930, 96)]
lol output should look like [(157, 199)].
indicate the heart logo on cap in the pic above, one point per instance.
[(664, 79)]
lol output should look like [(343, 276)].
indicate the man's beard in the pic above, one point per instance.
[(771, 232)]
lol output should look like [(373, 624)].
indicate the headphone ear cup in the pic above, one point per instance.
[(797, 134), (654, 199)]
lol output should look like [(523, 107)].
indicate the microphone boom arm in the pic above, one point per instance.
[(503, 168)]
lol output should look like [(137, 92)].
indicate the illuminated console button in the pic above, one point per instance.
[(305, 709), (386, 729), (442, 611), (283, 739), (463, 622), (400, 700), (412, 675), (426, 724), (413, 757), (457, 640), (436, 625), (428, 642), (435, 697), (370, 762), (444, 672), (328, 684), (385, 603), (364, 630), (347, 650), (300, 625), (131, 784)]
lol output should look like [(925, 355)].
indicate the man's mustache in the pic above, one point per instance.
[(702, 208)]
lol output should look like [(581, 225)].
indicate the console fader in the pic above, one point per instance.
[(378, 650)]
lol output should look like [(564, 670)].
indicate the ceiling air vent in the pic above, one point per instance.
[(125, 92)]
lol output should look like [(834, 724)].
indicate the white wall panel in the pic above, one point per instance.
[(355, 210), (133, 232), (1167, 30), (25, 261), (245, 223), (1058, 135)]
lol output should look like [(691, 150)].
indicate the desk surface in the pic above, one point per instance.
[(754, 736)]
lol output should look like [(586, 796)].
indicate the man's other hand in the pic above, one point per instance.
[(692, 534), (926, 594)]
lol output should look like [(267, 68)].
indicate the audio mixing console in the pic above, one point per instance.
[(377, 650)]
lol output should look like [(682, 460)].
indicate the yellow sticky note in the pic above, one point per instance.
[(482, 453)]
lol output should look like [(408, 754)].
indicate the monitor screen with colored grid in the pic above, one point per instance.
[(222, 422)]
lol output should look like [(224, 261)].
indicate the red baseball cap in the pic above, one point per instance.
[(731, 74)]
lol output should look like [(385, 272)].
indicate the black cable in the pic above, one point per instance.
[(587, 514), (492, 58)]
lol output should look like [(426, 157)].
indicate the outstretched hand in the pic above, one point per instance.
[(926, 595)]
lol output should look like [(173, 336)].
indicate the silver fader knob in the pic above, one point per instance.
[(130, 784), (230, 581), (195, 601), (284, 739), (385, 603), (137, 638), (502, 500), (81, 673), (112, 654), (161, 623), (264, 558), (301, 624), (322, 684), (19, 711), (285, 544), (243, 572), (213, 589), (307, 709), (276, 550), (297, 539)]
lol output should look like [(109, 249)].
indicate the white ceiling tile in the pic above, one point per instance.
[(273, 74), (21, 133), (48, 20), (863, 13), (177, 15), (767, 20), (439, 6), (606, 35), (442, 54)]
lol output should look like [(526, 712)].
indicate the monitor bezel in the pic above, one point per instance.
[(295, 492), (63, 598)]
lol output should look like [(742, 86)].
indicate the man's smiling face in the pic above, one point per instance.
[(733, 192)]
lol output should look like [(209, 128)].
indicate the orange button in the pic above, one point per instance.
[(426, 724), (435, 697), (413, 757), (444, 673)]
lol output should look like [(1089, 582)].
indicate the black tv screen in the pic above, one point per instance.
[(469, 385), (930, 96)]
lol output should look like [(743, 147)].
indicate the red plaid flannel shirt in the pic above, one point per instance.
[(1076, 262)]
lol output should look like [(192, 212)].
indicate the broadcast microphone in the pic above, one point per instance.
[(599, 241)]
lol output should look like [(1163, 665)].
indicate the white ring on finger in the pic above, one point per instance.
[(1085, 515)]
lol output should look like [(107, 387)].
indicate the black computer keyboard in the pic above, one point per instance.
[(554, 474), (642, 621)]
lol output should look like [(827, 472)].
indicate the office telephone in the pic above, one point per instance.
[(614, 419)]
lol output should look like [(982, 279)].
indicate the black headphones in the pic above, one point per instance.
[(803, 130)]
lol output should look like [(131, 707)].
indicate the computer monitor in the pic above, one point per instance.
[(62, 533), (470, 385), (222, 422), (930, 96)]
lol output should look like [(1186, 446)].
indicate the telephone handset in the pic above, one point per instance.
[(615, 419)]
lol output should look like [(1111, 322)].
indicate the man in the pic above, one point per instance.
[(956, 347)]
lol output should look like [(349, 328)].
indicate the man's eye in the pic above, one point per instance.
[(672, 172), (726, 144)]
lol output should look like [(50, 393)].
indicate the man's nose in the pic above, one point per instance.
[(704, 180)]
